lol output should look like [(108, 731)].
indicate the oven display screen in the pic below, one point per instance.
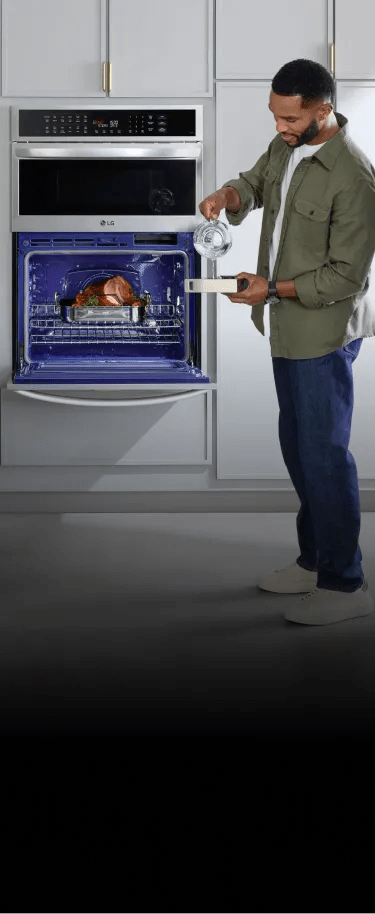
[(140, 122)]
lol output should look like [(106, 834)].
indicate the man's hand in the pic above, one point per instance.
[(254, 294), (211, 206), (225, 198)]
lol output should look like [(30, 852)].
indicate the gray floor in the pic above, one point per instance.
[(152, 623)]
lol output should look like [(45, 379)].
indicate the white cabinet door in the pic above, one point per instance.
[(37, 433), (357, 102), (247, 421), (255, 40), (354, 39), (53, 48), (161, 49)]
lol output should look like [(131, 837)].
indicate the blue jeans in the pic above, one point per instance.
[(316, 405)]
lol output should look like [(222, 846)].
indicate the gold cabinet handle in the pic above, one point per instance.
[(104, 83), (109, 76), (333, 58)]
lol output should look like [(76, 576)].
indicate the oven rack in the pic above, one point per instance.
[(46, 326), (51, 309), (162, 335)]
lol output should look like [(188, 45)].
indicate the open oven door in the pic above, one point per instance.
[(59, 344)]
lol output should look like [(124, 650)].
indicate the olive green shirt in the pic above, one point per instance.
[(326, 245)]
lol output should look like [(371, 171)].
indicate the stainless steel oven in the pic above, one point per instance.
[(103, 195), (106, 170)]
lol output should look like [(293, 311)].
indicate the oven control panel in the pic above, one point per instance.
[(107, 122)]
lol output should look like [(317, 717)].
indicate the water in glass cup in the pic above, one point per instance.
[(212, 239)]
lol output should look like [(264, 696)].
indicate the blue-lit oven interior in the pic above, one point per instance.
[(51, 347)]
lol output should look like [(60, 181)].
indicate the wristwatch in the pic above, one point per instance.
[(272, 297)]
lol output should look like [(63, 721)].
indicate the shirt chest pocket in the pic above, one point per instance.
[(269, 178), (312, 222)]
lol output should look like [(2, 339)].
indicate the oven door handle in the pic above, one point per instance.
[(74, 401)]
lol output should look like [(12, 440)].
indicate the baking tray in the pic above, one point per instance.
[(128, 314), (102, 314), (221, 284)]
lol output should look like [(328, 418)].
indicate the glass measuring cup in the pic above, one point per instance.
[(212, 239)]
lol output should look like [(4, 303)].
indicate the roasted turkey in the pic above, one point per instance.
[(115, 292)]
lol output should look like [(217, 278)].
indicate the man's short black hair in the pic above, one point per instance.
[(305, 78)]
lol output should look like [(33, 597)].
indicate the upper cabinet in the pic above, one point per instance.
[(161, 49), (354, 35), (143, 49), (253, 41), (115, 48), (52, 48), (248, 36)]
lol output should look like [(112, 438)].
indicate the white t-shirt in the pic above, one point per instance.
[(301, 152)]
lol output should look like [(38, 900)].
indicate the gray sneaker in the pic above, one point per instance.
[(292, 579)]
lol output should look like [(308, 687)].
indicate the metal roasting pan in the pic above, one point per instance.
[(103, 313)]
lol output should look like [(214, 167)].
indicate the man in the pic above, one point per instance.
[(317, 243)]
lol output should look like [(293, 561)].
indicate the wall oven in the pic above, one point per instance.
[(104, 207)]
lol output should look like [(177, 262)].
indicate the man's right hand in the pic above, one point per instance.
[(225, 198)]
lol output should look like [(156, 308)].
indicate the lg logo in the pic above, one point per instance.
[(104, 222)]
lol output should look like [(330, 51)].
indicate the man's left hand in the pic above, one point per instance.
[(256, 292)]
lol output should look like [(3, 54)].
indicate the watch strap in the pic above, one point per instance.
[(272, 288)]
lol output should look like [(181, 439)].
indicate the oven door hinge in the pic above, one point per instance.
[(192, 355)]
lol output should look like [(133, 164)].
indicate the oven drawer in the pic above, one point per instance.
[(177, 432)]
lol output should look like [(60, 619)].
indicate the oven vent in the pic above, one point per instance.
[(62, 242), (40, 242), (84, 242), (155, 238)]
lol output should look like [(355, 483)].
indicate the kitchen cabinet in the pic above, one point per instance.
[(53, 48), (175, 433), (354, 36), (161, 49), (249, 40), (254, 40), (247, 437), (247, 420)]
